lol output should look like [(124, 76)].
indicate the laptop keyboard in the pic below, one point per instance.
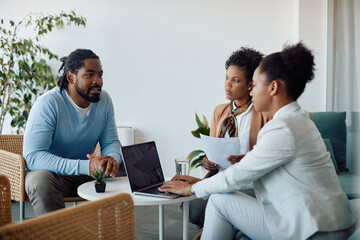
[(151, 190), (154, 191)]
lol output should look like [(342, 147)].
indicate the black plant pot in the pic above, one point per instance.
[(100, 188)]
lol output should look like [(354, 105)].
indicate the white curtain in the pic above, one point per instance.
[(344, 75)]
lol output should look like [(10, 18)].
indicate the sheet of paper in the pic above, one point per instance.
[(218, 149)]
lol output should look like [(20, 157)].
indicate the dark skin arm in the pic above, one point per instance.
[(110, 166), (185, 178), (177, 187), (179, 184), (214, 168), (211, 166), (235, 158)]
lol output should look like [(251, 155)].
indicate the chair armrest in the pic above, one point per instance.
[(13, 166), (97, 150), (5, 204)]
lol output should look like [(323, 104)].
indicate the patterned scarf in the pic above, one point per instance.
[(230, 123)]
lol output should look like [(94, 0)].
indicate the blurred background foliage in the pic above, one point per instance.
[(24, 63)]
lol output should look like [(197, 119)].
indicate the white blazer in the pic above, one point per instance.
[(294, 178)]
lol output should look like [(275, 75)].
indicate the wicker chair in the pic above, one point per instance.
[(5, 200), (12, 164), (108, 218)]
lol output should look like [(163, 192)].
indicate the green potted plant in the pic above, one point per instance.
[(25, 72), (100, 179), (197, 156)]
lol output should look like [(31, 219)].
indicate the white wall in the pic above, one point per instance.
[(164, 59), (313, 32)]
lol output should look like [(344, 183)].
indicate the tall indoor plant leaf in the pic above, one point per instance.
[(196, 156)]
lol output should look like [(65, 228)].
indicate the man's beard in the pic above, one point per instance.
[(86, 95)]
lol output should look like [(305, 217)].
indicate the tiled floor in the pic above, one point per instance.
[(146, 221)]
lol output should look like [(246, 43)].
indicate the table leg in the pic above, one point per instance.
[(161, 222), (185, 220)]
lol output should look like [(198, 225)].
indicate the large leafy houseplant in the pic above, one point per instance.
[(197, 156), (24, 62)]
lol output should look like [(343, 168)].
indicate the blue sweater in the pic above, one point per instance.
[(57, 137)]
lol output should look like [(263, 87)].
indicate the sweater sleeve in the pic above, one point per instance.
[(38, 137), (109, 140)]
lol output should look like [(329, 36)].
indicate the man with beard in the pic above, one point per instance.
[(62, 131)]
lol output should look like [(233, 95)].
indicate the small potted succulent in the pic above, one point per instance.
[(100, 178)]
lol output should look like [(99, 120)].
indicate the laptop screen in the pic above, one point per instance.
[(142, 165)]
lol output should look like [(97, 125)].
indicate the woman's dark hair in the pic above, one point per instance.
[(72, 63), (247, 59), (294, 65)]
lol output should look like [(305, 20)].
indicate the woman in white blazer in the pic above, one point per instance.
[(298, 195)]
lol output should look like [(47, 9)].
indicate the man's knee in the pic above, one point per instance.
[(44, 191), (41, 181)]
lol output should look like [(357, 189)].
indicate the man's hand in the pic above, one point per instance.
[(107, 163), (185, 178), (112, 167), (235, 158), (177, 187), (208, 165)]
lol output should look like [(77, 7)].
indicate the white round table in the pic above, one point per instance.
[(121, 185)]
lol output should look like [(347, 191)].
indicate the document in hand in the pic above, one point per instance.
[(218, 149)]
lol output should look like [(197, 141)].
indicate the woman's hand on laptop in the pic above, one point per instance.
[(186, 178), (177, 187)]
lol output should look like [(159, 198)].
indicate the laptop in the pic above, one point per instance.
[(142, 165)]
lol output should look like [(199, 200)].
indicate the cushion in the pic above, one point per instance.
[(332, 125), (330, 150), (350, 184)]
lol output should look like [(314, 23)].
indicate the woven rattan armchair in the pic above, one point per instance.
[(108, 218), (5, 200), (12, 164)]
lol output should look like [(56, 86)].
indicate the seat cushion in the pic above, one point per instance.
[(332, 125), (350, 184)]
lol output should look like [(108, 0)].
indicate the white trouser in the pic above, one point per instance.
[(224, 211)]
